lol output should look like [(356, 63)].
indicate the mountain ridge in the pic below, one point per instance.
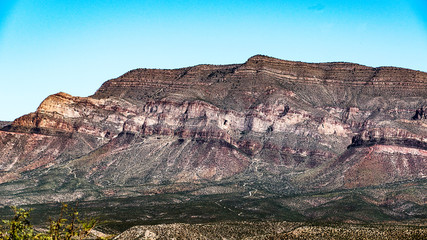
[(267, 126)]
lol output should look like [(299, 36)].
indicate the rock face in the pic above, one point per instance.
[(268, 124)]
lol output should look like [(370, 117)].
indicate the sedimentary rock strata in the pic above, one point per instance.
[(297, 127)]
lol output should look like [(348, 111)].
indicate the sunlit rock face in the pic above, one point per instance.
[(290, 126)]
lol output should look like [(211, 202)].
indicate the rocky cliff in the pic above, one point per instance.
[(268, 126)]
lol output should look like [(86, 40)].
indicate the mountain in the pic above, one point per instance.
[(4, 123), (266, 138)]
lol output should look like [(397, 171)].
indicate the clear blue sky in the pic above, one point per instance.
[(48, 46)]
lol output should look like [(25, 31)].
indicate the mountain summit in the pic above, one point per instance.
[(310, 137)]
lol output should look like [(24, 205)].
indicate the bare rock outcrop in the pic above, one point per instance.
[(291, 127)]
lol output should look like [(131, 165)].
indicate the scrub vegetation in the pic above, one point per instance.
[(66, 226)]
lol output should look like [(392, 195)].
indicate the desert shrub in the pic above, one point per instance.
[(67, 226), (18, 227)]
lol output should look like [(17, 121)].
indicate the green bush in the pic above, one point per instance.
[(18, 227), (67, 226)]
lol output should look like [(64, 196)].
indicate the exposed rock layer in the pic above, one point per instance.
[(289, 126)]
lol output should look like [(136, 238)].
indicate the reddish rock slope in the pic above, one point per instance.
[(288, 126)]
